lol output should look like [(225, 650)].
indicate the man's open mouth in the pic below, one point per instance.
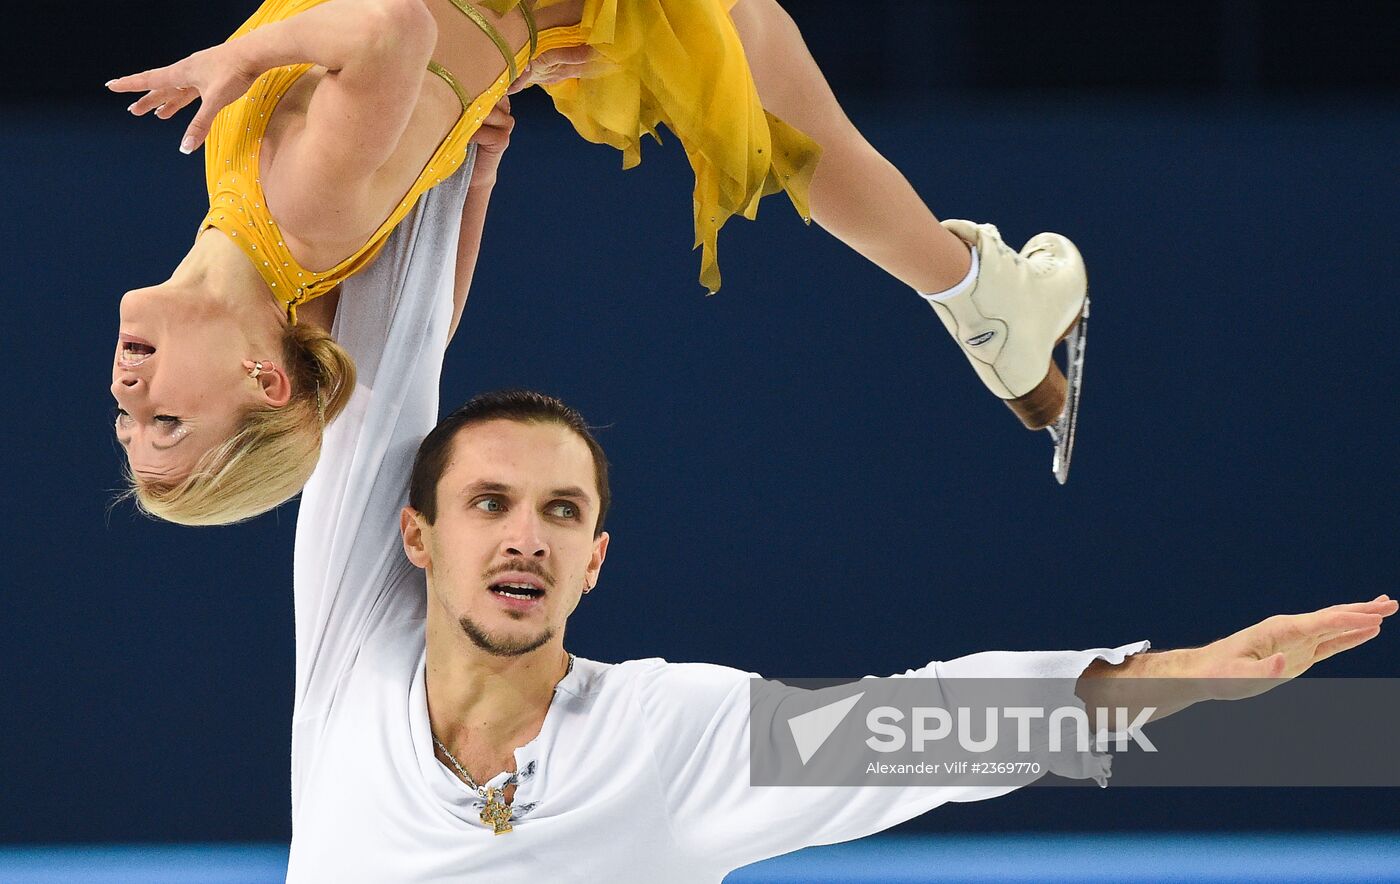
[(517, 590)]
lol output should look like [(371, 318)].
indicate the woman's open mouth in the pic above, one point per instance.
[(133, 351)]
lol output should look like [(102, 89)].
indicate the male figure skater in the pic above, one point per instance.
[(442, 731)]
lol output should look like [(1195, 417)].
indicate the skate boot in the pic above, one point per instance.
[(1008, 322)]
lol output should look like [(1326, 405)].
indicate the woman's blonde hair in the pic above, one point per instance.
[(270, 458)]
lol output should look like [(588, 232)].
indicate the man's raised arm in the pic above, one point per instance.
[(395, 319)]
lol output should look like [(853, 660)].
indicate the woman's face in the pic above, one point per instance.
[(179, 382)]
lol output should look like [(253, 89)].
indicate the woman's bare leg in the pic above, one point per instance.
[(857, 195)]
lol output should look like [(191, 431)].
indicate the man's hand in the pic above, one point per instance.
[(491, 141), (1287, 645), (1245, 664)]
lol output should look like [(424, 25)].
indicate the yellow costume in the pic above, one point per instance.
[(677, 62)]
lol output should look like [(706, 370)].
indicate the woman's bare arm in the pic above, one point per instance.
[(375, 52)]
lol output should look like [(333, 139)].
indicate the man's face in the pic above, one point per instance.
[(512, 547)]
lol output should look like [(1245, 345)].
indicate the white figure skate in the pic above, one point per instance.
[(1009, 321)]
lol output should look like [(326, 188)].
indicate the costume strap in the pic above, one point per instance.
[(450, 80), (490, 31)]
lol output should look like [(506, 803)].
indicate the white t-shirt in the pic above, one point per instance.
[(641, 769)]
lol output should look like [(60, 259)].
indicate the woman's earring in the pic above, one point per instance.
[(254, 368)]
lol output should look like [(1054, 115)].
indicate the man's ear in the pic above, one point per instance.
[(414, 543), (595, 563)]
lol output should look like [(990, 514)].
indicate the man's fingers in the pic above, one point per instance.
[(499, 119), (1330, 621), (1345, 642), (1381, 604), (1270, 667)]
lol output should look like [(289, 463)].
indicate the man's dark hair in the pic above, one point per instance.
[(522, 406)]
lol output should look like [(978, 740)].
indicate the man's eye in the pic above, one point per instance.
[(490, 505), (564, 510)]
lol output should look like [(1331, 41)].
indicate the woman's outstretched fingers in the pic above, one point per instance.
[(146, 81), (177, 100), (198, 129), (129, 83), (159, 100)]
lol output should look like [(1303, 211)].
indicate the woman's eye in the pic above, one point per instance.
[(167, 419), (564, 510), (490, 505)]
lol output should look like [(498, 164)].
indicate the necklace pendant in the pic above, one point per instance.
[(496, 814)]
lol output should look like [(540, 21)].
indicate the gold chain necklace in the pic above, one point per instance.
[(496, 814)]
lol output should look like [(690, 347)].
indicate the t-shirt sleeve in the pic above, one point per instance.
[(349, 569), (697, 723)]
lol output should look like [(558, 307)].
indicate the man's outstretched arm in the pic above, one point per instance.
[(705, 718), (1243, 664)]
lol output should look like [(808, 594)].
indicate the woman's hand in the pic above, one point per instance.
[(491, 141), (558, 65), (217, 76)]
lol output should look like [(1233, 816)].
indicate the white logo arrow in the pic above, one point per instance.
[(811, 729)]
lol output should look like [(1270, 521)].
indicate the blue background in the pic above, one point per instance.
[(808, 479)]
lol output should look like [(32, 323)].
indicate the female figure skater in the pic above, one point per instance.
[(324, 121)]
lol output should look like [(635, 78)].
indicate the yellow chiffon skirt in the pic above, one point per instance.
[(680, 63)]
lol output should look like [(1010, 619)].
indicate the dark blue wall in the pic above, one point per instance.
[(808, 478)]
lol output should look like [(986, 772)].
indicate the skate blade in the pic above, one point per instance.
[(1062, 430)]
